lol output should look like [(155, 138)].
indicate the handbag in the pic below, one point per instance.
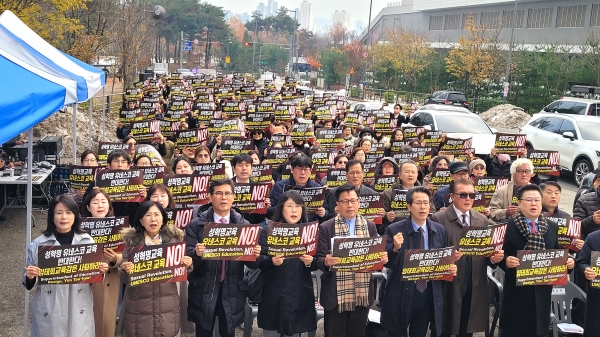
[(256, 280)]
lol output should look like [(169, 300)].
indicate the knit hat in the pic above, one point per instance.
[(475, 162)]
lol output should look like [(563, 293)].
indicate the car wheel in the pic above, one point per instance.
[(581, 169)]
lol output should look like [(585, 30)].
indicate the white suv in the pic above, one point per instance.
[(574, 106), (575, 137)]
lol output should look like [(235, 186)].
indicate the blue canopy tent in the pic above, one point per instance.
[(38, 80)]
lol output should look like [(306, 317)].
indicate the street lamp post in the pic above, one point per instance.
[(510, 48), (293, 42), (227, 64)]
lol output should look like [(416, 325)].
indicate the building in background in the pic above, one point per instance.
[(537, 21), (343, 18), (262, 9), (307, 16)]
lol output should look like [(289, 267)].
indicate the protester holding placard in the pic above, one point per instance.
[(498, 165), (466, 302), (182, 165), (407, 179), (88, 158), (504, 202), (587, 208), (287, 307), (354, 176), (526, 309), (413, 305), (458, 170), (339, 162), (345, 296), (437, 163), (106, 298), (142, 161), (213, 289), (150, 309), (242, 169), (60, 310), (358, 154), (300, 178), (588, 269), (160, 193)]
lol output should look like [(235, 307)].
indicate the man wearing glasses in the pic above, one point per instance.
[(301, 169), (410, 305), (345, 296), (504, 202), (213, 284), (354, 175), (458, 170), (466, 301), (525, 310)]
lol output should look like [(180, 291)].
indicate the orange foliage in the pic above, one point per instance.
[(237, 27), (314, 63)]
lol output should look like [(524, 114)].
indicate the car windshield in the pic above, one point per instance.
[(589, 130), (462, 124), (456, 97)]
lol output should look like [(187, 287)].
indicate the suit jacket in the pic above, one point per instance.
[(500, 202), (395, 313), (328, 282), (525, 309), (479, 314)]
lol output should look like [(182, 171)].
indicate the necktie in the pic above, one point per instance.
[(222, 278), (421, 284), (468, 265), (533, 230)]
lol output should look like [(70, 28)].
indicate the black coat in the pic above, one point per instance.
[(584, 210), (288, 302), (495, 169), (203, 289), (525, 309), (592, 323), (395, 313), (328, 280)]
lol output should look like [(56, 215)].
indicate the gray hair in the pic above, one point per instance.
[(518, 163)]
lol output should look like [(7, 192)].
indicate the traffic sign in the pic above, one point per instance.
[(227, 59), (365, 54), (196, 41), (188, 44), (351, 71), (187, 48)]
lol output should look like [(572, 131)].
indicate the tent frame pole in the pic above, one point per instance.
[(90, 102), (74, 162), (29, 199), (103, 111)]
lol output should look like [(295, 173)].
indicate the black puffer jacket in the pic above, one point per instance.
[(584, 210), (495, 169), (204, 283)]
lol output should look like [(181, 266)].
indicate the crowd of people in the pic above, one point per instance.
[(216, 289)]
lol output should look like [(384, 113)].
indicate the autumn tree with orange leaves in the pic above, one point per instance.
[(477, 59), (407, 50)]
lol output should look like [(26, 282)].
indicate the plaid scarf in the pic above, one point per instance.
[(352, 288), (535, 241)]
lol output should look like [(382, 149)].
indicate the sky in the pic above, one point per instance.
[(358, 9)]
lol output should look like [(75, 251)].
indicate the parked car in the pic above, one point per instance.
[(367, 106), (185, 72), (457, 123), (587, 185), (448, 98), (574, 106), (575, 137), (447, 108), (161, 69)]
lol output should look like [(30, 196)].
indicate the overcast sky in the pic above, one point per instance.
[(358, 9)]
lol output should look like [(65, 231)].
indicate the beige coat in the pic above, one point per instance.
[(479, 315), (500, 202), (106, 300)]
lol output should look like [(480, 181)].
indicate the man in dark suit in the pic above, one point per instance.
[(466, 299), (408, 304), (346, 297), (525, 310)]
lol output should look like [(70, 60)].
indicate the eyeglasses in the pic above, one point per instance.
[(93, 160), (532, 200), (203, 156), (292, 206), (116, 161), (354, 173), (302, 169), (523, 171), (420, 203), (342, 162), (345, 202), (465, 195), (220, 194)]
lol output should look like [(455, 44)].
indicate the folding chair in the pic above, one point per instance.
[(320, 311), (562, 298), (496, 279)]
